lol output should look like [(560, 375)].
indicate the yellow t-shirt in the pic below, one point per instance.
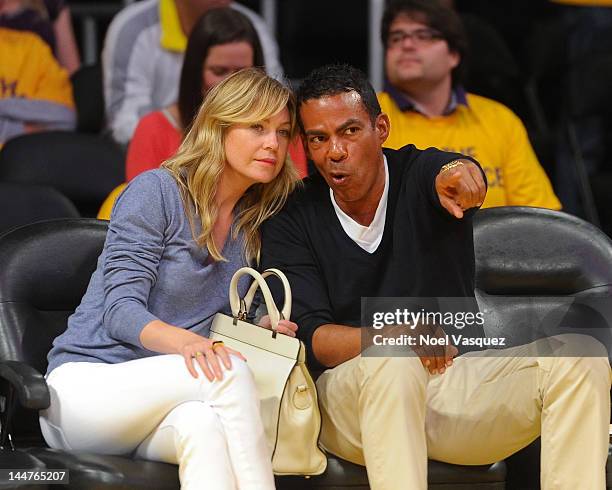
[(487, 131), (28, 69)]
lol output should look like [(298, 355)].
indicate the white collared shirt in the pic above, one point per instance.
[(367, 237)]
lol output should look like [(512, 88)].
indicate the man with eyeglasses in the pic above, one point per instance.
[(424, 50)]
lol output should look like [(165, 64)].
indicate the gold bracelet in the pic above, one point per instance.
[(451, 165)]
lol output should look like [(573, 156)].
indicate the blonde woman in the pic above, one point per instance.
[(135, 373)]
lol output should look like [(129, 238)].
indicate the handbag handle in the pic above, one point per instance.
[(240, 307), (286, 311)]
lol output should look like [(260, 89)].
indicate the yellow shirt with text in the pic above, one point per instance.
[(487, 131), (28, 69)]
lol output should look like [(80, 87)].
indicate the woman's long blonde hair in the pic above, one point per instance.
[(246, 97)]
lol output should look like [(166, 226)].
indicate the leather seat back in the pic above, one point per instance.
[(540, 272), (44, 271), (83, 167)]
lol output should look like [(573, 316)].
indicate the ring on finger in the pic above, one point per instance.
[(217, 343), (197, 354)]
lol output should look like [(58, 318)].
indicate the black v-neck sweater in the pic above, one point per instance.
[(424, 252)]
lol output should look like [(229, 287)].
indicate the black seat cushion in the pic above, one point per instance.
[(83, 167), (24, 203), (113, 472), (21, 460), (88, 470), (342, 474), (88, 98)]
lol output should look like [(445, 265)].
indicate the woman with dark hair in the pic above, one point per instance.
[(222, 42)]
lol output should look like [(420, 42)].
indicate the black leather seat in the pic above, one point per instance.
[(46, 267), (88, 98), (45, 271), (529, 261), (83, 167), (24, 203), (524, 255), (341, 474)]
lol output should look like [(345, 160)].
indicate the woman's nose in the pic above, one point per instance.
[(271, 140)]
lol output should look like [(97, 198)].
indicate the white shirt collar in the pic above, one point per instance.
[(367, 237)]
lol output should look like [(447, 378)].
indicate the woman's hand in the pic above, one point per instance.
[(162, 337), (285, 327), (206, 353)]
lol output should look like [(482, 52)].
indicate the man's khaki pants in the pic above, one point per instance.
[(390, 414)]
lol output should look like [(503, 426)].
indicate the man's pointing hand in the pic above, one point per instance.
[(460, 186)]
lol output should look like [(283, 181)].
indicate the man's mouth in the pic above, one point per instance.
[(408, 61), (339, 178)]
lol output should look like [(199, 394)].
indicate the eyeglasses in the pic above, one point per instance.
[(419, 37)]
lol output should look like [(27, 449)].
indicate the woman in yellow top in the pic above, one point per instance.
[(35, 92)]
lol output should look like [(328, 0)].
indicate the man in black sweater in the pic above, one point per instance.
[(385, 223)]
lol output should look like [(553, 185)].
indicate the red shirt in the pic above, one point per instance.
[(298, 156), (156, 139)]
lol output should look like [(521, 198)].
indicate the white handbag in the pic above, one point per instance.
[(289, 405)]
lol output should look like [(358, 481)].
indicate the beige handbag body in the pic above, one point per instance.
[(289, 405)]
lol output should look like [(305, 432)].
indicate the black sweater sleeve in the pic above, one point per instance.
[(285, 247), (427, 166)]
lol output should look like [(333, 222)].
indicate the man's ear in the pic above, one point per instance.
[(382, 126), (455, 59)]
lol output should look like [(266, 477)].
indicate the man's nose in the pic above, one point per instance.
[(337, 150), (408, 42)]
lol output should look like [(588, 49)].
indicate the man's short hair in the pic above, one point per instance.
[(331, 80), (436, 16)]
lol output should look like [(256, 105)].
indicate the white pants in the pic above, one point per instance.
[(153, 409)]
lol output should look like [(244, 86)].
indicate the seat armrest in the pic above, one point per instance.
[(30, 386)]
